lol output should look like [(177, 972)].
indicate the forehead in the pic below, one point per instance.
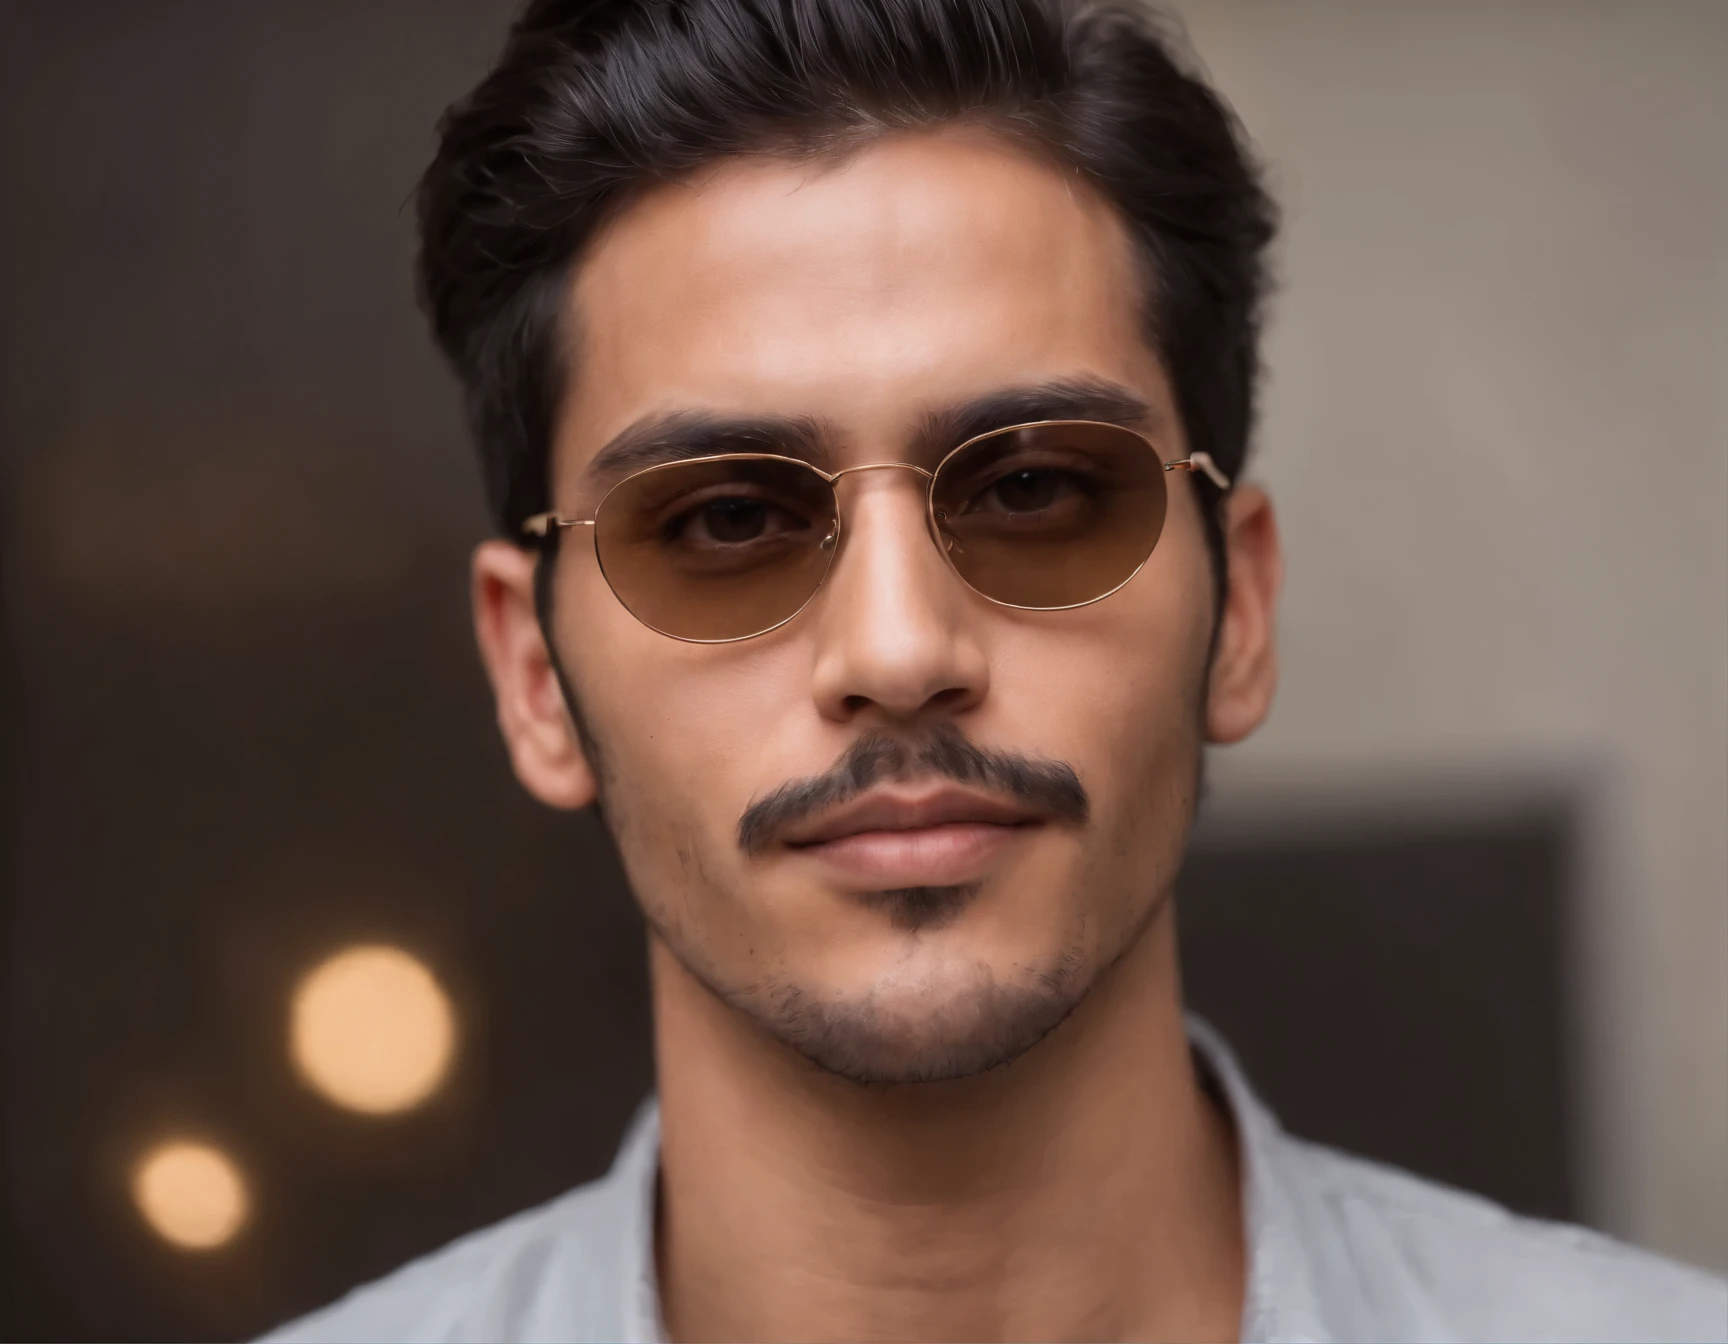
[(921, 270)]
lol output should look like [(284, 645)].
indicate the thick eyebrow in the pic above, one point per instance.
[(677, 437), (1061, 399)]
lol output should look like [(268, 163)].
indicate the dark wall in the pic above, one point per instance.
[(243, 724), (246, 724), (1396, 987)]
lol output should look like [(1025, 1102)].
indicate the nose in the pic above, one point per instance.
[(897, 630)]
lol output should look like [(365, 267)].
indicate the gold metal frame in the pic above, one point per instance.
[(542, 524)]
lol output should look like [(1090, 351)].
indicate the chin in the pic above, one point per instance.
[(919, 1023)]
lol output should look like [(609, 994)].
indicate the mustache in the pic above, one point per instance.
[(1046, 785)]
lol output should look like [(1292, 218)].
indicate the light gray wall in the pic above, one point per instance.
[(1497, 430)]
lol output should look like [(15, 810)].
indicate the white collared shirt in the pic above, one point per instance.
[(1338, 1249)]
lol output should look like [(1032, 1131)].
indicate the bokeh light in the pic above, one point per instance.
[(372, 1030), (191, 1195)]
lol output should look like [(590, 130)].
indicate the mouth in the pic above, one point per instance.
[(893, 839)]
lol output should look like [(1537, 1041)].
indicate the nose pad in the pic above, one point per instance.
[(949, 543)]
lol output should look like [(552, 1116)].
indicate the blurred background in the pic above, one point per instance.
[(298, 983)]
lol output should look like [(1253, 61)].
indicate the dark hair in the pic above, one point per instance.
[(594, 100)]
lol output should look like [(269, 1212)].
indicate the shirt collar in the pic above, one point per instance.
[(1280, 1304), (634, 1182)]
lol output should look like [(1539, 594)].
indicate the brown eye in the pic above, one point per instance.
[(1026, 491), (730, 521), (733, 521)]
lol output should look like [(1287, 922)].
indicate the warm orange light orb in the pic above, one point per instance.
[(372, 1030), (191, 1195)]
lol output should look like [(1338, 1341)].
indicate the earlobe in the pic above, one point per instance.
[(1244, 672), (545, 749)]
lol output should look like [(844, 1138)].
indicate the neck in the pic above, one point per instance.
[(1088, 1190)]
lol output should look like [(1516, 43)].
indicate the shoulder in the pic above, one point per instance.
[(1444, 1263), (556, 1271)]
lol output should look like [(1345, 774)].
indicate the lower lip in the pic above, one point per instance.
[(931, 856)]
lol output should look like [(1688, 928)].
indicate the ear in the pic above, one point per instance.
[(1245, 665), (544, 747)]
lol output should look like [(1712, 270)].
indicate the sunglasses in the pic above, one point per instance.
[(1040, 517)]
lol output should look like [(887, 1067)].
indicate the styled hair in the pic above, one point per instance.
[(594, 101)]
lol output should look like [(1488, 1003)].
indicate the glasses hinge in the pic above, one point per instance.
[(1203, 463)]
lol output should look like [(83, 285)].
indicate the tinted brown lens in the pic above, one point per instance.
[(716, 550), (1050, 515)]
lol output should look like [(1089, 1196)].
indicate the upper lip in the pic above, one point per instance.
[(891, 811)]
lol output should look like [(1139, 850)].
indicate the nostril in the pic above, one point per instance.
[(951, 698)]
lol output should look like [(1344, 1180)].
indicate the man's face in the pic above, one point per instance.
[(955, 815)]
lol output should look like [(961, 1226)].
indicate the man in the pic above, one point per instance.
[(864, 388)]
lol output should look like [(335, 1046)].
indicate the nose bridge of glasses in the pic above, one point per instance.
[(923, 473), (834, 477)]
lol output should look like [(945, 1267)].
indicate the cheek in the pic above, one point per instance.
[(1120, 677), (681, 730), (1116, 690)]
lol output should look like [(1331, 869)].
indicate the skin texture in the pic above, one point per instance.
[(879, 1122)]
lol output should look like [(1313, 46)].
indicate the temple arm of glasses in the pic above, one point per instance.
[(541, 524), (1201, 462)]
